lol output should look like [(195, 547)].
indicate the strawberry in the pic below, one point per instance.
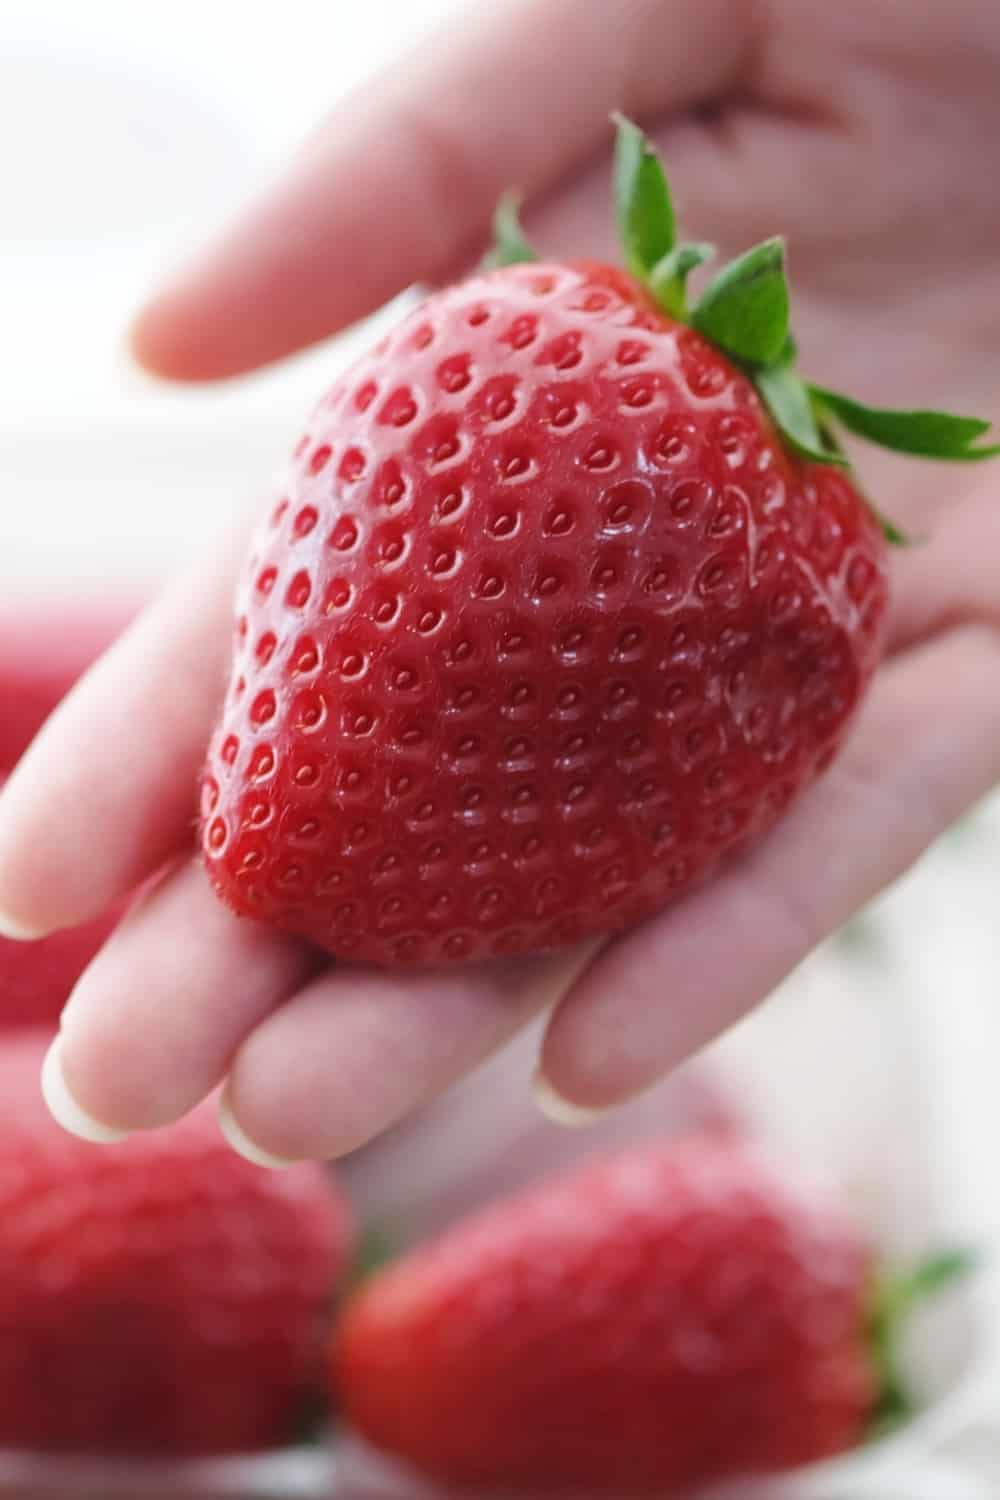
[(568, 593), (670, 1316), (159, 1296)]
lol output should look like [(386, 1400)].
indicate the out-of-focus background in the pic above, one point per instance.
[(128, 131)]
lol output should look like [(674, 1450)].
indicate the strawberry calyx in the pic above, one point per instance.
[(895, 1298), (745, 312), (510, 247)]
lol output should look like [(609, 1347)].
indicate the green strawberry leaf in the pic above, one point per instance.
[(894, 535), (893, 1302), (668, 278), (932, 1275), (744, 312), (642, 199), (787, 399), (745, 309), (510, 246), (925, 434), (376, 1248)]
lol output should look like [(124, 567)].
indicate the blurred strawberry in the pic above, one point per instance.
[(36, 979), (667, 1317), (42, 654), (159, 1296)]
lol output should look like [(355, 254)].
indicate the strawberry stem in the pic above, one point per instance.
[(376, 1247), (645, 209), (745, 312), (745, 309), (510, 244), (894, 1301), (668, 278)]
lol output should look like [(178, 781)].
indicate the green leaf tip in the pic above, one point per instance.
[(643, 205), (787, 400), (922, 434), (376, 1248), (745, 310), (510, 245), (894, 1300), (931, 1275), (668, 278)]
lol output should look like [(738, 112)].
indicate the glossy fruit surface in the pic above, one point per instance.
[(546, 621)]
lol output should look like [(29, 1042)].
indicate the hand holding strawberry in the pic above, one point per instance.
[(568, 593), (893, 241)]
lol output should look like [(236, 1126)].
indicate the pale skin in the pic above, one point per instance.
[(867, 133)]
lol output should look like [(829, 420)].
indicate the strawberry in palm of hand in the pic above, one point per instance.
[(158, 1296), (657, 1320), (569, 593)]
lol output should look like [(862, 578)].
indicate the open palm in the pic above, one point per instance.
[(862, 131)]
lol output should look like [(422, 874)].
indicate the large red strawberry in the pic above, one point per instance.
[(671, 1316), (568, 592), (159, 1296)]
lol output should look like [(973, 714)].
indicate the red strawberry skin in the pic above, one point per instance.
[(546, 622), (665, 1318), (161, 1296)]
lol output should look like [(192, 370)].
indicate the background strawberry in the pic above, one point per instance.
[(674, 1315), (42, 654), (36, 979), (43, 651), (157, 1296), (567, 594)]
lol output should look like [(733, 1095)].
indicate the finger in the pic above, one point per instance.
[(358, 1049), (952, 578), (107, 791), (153, 1022), (404, 175), (927, 747), (482, 1139)]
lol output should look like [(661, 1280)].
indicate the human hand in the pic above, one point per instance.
[(858, 133)]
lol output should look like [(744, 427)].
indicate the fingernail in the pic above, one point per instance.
[(63, 1107), (559, 1110), (243, 1145), (16, 931)]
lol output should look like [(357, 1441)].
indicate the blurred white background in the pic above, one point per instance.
[(128, 133)]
